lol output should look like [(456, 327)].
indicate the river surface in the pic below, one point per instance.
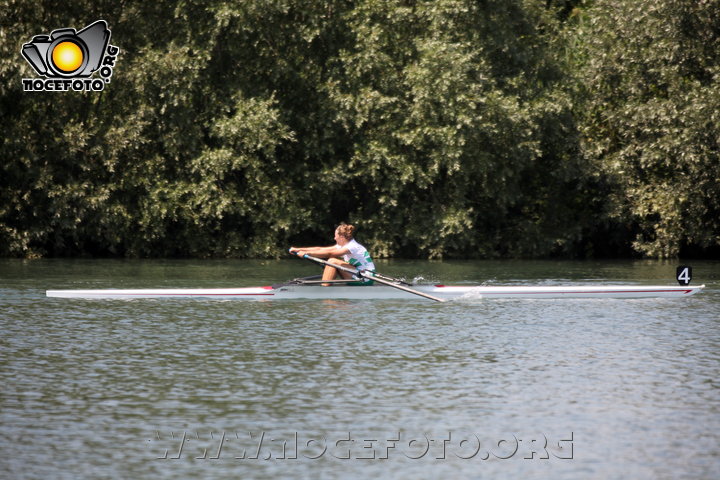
[(173, 388)]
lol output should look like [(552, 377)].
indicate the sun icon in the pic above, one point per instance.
[(67, 56)]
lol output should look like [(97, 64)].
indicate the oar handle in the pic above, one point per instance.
[(306, 256)]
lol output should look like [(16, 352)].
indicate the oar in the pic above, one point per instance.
[(370, 276)]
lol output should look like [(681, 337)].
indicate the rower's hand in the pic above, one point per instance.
[(297, 251)]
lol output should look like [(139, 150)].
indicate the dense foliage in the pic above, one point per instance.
[(445, 128)]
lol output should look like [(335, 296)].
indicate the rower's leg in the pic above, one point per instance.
[(331, 273)]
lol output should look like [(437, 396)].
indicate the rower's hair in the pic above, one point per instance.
[(346, 231)]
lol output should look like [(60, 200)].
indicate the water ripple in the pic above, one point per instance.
[(104, 388)]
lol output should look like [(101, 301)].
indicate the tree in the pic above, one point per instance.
[(443, 128), (649, 118), (462, 137)]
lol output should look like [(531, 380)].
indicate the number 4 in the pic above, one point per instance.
[(683, 275)]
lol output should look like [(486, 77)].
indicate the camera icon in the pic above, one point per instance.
[(67, 53)]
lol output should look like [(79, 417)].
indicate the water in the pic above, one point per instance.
[(561, 389)]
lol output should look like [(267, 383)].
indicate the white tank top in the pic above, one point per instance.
[(358, 256)]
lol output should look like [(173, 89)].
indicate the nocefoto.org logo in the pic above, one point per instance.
[(66, 59)]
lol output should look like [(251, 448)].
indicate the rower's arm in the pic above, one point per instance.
[(321, 252)]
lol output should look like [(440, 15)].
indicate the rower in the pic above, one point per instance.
[(346, 252)]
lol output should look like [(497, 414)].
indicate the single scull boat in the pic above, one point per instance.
[(304, 290), (372, 285)]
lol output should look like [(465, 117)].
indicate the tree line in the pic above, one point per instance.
[(441, 129)]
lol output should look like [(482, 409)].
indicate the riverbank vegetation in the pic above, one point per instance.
[(447, 128)]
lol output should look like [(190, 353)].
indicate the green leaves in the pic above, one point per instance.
[(442, 133), (651, 121), (445, 128)]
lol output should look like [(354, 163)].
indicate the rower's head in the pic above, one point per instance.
[(344, 233)]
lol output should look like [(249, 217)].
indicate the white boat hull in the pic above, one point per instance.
[(384, 292)]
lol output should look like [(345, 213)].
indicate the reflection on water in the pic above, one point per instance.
[(352, 389)]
